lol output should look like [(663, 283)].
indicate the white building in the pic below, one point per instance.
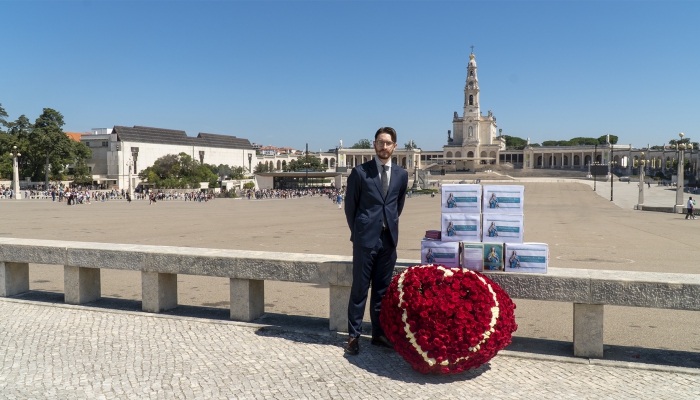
[(140, 146), (475, 139)]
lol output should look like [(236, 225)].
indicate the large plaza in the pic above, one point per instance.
[(583, 228)]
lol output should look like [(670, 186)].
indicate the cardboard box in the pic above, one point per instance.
[(499, 228), (503, 199), (482, 256), (458, 227), (527, 257), (437, 252), (461, 198)]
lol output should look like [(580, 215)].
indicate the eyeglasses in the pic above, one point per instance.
[(381, 143)]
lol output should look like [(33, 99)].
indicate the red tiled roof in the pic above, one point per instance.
[(74, 135)]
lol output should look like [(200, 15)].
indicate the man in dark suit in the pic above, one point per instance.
[(376, 192)]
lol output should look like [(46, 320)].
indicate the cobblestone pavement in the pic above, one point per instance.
[(66, 352)]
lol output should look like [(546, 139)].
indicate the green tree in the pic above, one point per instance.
[(178, 172), (362, 144), (80, 153), (18, 134), (514, 143), (3, 117), (261, 168), (238, 173), (300, 164), (48, 141), (604, 139), (583, 141)]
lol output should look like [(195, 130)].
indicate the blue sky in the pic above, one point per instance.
[(294, 72)]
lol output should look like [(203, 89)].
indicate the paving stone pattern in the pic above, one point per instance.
[(67, 352)]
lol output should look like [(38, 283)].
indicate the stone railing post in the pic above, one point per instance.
[(14, 278)]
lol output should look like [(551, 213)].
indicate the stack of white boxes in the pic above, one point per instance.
[(461, 222), (482, 226)]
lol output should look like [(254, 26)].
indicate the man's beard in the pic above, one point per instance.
[(383, 154)]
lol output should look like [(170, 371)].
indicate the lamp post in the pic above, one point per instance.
[(130, 164), (640, 164), (14, 153), (612, 172), (306, 164), (679, 186), (595, 163)]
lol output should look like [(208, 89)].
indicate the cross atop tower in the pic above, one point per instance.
[(472, 46)]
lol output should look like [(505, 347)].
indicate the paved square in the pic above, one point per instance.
[(583, 228)]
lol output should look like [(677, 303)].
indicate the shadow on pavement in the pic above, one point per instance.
[(637, 355), (375, 360), (315, 330)]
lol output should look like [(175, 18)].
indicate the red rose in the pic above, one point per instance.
[(449, 314)]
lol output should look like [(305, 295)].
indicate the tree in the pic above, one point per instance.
[(178, 171), (3, 116), (362, 144), (604, 139), (261, 168), (583, 141), (238, 173), (514, 143), (16, 135), (81, 174), (226, 171), (300, 164), (48, 139)]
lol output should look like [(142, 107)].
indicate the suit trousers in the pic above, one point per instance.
[(375, 265)]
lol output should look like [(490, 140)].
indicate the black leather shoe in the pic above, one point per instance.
[(382, 341), (353, 347)]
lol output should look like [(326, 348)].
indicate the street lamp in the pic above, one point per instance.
[(612, 172), (14, 153), (595, 163), (306, 164), (130, 164), (679, 186)]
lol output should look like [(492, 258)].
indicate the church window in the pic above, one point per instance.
[(471, 73), (471, 100), (470, 154)]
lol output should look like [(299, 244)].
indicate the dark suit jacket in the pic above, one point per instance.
[(365, 203)]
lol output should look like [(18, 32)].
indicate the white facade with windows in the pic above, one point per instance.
[(137, 148)]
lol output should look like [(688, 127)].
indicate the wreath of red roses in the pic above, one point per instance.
[(446, 321)]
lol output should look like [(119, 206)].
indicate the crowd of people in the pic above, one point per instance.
[(87, 195), (260, 194)]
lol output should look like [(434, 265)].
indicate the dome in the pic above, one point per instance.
[(472, 61)]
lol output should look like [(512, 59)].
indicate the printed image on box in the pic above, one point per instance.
[(437, 252), (461, 198), (503, 199), (457, 227), (493, 256), (527, 257), (473, 256), (482, 256), (502, 228)]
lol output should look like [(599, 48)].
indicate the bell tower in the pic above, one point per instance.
[(471, 89)]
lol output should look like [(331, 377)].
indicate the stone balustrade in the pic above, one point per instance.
[(588, 290)]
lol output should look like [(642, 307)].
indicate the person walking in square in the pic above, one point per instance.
[(374, 199), (690, 209)]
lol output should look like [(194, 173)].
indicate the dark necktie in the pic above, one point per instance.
[(385, 180)]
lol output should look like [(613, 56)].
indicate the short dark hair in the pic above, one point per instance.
[(388, 130)]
